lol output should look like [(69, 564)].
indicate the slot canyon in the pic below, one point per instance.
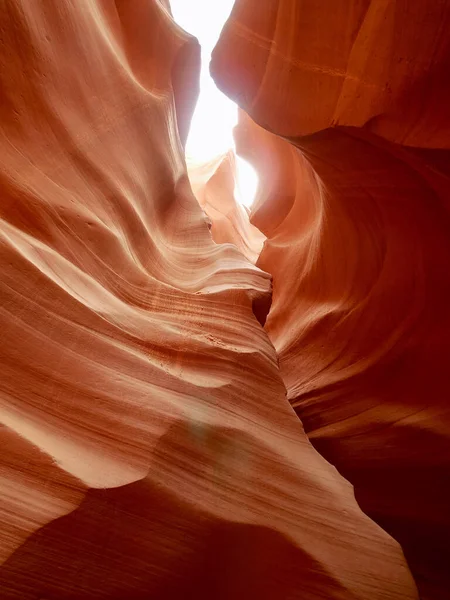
[(201, 399)]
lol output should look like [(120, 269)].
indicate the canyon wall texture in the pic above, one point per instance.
[(213, 184), (148, 449), (354, 201)]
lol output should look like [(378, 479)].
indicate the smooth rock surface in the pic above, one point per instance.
[(213, 184), (148, 449), (300, 66), (358, 241)]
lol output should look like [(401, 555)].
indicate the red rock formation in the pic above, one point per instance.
[(300, 66), (148, 447), (358, 241), (213, 184)]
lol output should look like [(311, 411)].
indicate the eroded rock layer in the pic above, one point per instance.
[(213, 184), (148, 450), (300, 66), (354, 203)]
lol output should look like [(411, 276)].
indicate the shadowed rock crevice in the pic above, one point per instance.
[(347, 128), (150, 449)]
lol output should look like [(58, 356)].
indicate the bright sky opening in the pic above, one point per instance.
[(211, 132)]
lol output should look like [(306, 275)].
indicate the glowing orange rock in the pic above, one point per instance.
[(358, 241), (149, 447), (213, 184), (300, 66)]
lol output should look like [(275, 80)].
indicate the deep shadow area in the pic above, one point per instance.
[(140, 542)]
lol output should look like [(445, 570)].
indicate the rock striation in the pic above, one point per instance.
[(213, 184), (148, 449), (348, 126)]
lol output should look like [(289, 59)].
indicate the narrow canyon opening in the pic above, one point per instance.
[(224, 184), (148, 447), (215, 115)]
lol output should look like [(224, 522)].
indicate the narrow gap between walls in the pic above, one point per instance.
[(215, 116)]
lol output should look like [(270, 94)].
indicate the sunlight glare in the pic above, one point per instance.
[(246, 182), (211, 132)]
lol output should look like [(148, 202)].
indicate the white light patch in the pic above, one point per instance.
[(211, 132), (246, 182)]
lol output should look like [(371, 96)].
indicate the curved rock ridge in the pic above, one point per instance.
[(213, 184), (378, 64), (283, 172), (148, 449), (358, 242)]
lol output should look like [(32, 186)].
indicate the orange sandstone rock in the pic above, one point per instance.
[(358, 241), (300, 66), (149, 450), (213, 184)]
